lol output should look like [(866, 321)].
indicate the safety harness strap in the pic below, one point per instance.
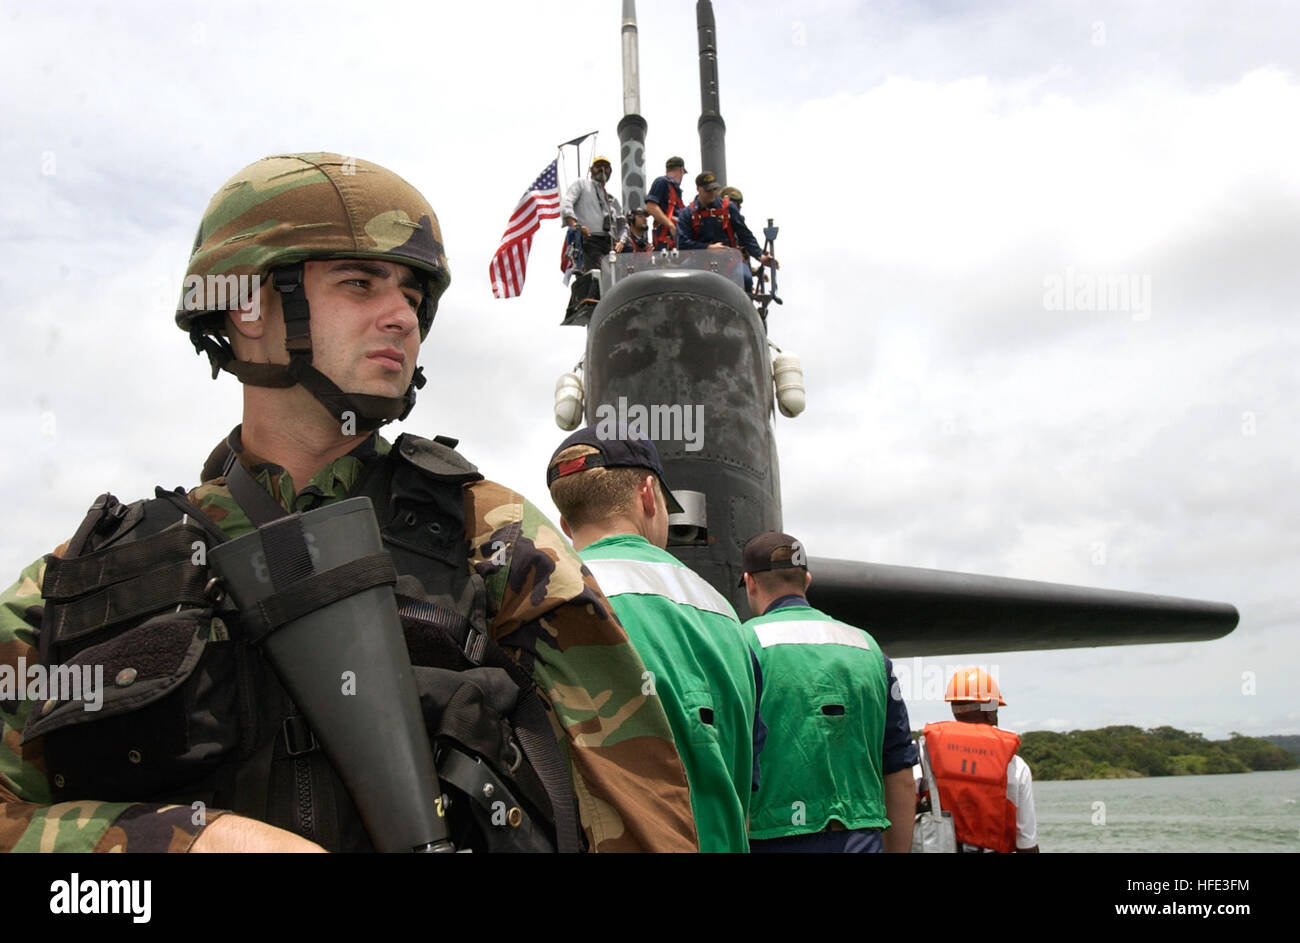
[(666, 236), (722, 213)]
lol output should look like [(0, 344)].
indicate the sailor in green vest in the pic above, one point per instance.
[(837, 765), (700, 662)]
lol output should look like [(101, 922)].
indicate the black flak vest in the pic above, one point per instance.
[(193, 714)]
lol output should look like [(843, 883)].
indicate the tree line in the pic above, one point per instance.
[(1122, 752)]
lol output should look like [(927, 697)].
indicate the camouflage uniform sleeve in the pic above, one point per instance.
[(28, 822), (628, 778)]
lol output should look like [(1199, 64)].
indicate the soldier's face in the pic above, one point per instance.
[(365, 335)]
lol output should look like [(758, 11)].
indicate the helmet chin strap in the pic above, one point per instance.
[(367, 411)]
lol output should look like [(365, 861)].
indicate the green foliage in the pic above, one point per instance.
[(1126, 751), (1290, 743), (1257, 753)]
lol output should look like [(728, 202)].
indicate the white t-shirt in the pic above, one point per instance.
[(1020, 790)]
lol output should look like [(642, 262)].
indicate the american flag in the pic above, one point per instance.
[(540, 201)]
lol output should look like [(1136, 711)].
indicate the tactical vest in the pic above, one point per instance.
[(970, 767), (192, 712), (721, 213)]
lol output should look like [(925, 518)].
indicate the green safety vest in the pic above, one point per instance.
[(696, 653), (825, 692)]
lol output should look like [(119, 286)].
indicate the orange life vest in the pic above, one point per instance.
[(970, 767)]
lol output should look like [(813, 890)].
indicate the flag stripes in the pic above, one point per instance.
[(510, 263)]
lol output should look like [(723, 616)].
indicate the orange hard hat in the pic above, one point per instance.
[(974, 684)]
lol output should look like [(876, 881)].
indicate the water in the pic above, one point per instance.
[(1228, 812)]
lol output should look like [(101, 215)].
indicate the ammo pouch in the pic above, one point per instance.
[(497, 760), (127, 606), (168, 713), (493, 799)]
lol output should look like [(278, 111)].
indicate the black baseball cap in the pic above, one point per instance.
[(674, 162), (706, 181), (773, 551), (616, 451)]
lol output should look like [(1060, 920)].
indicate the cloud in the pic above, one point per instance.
[(929, 168)]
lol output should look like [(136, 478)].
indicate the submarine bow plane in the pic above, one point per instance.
[(677, 329)]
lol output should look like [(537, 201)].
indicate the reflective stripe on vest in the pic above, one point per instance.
[(819, 766), (810, 633), (664, 579)]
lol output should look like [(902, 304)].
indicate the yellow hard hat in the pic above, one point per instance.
[(598, 159), (974, 684)]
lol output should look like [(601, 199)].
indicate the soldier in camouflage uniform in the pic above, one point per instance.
[(354, 268)]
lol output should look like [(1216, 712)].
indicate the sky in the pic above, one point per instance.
[(948, 180)]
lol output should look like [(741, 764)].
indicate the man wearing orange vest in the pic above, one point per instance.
[(982, 782), (664, 202)]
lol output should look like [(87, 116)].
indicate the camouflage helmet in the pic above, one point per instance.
[(286, 209), (282, 211)]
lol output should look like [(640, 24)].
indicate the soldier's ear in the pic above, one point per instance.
[(240, 324), (249, 321), (244, 336), (807, 581)]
